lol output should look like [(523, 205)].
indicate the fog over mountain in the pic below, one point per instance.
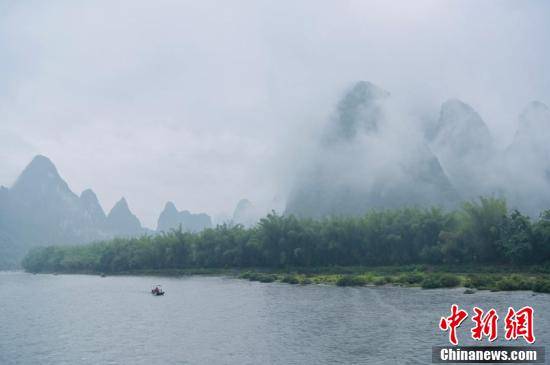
[(373, 157), (465, 148), (309, 107), (526, 165), (205, 102), (369, 159), (246, 213), (171, 218), (40, 209), (369, 156)]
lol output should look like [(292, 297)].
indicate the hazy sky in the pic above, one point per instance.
[(204, 103)]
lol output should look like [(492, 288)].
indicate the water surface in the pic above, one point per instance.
[(80, 319)]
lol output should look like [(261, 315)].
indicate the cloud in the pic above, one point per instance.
[(204, 103)]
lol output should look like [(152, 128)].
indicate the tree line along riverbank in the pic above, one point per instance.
[(482, 233)]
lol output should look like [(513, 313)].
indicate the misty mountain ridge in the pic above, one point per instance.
[(171, 218), (246, 213), (464, 147), (40, 209), (121, 221), (91, 207), (530, 137), (366, 165), (360, 111), (370, 157), (525, 164)]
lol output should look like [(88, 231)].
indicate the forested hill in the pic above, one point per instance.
[(481, 232)]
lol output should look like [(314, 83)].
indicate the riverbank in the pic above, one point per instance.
[(494, 278), (500, 279)]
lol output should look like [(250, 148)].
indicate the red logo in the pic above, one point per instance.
[(517, 324), (452, 322), (520, 324), (486, 325)]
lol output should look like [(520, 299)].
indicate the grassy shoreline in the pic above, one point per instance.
[(425, 279), (494, 278)]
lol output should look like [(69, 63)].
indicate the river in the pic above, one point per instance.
[(81, 319)]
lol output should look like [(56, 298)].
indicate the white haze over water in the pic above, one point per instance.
[(204, 103)]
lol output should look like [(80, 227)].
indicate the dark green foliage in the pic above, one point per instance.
[(481, 233), (449, 280), (261, 277), (266, 278), (541, 239), (380, 281), (351, 280), (477, 234), (430, 282), (410, 278), (480, 281), (245, 275), (290, 279), (541, 285), (514, 282), (445, 280), (517, 239)]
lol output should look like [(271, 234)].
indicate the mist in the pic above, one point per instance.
[(206, 103)]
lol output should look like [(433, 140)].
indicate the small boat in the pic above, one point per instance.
[(157, 290)]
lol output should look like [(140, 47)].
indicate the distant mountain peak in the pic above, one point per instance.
[(243, 204), (88, 194), (89, 199), (535, 104), (41, 161), (171, 218), (454, 104), (463, 145), (40, 209), (245, 213), (359, 109), (170, 207), (40, 166), (120, 205), (41, 175), (121, 219), (90, 203), (532, 132), (458, 120), (366, 90)]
